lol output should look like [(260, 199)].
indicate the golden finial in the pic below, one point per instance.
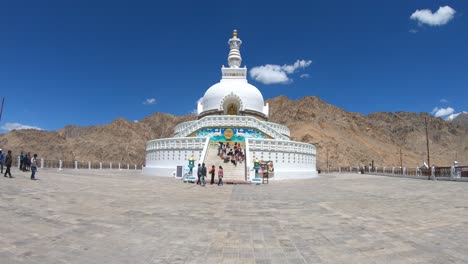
[(234, 34)]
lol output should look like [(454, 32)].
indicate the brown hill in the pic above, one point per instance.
[(345, 138), (461, 120)]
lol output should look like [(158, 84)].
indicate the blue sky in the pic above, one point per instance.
[(90, 62)]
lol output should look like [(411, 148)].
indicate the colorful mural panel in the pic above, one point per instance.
[(229, 134)]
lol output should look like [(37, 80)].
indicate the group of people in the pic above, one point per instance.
[(26, 163), (234, 154), (201, 173)]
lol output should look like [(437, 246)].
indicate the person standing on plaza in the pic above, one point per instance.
[(199, 173), (27, 161), (8, 162), (33, 167), (21, 158), (203, 175), (2, 159), (213, 173), (220, 176)]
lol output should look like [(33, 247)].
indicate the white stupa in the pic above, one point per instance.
[(232, 111)]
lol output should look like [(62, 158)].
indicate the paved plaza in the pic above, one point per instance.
[(82, 216)]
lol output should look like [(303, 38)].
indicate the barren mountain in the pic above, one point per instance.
[(461, 120), (342, 138)]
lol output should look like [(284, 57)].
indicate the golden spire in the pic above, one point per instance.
[(234, 34)]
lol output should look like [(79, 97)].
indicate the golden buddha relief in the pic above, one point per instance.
[(232, 109)]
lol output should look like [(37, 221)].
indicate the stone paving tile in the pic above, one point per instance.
[(112, 216)]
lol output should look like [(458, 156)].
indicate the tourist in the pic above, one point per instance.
[(212, 172), (8, 162), (2, 159), (21, 158), (220, 176), (33, 167), (220, 147), (27, 161), (199, 173), (233, 160), (203, 175)]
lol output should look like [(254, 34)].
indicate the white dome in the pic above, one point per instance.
[(233, 95), (240, 91)]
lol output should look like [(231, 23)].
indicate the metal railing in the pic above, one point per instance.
[(436, 172), (66, 164)]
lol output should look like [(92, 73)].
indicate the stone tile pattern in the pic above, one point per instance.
[(124, 217)]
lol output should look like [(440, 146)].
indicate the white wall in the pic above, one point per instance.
[(291, 160), (164, 155)]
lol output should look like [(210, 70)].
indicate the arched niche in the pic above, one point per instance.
[(231, 105)]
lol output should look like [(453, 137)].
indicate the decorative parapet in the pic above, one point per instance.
[(176, 143), (180, 127), (280, 128), (281, 146), (273, 130)]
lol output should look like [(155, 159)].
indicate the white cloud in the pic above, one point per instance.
[(304, 75), (272, 73), (17, 126), (439, 18), (445, 101), (441, 112), (149, 101), (453, 116)]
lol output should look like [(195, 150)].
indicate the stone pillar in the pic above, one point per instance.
[(384, 170), (433, 177), (110, 165), (339, 169), (128, 166), (135, 166), (60, 165), (100, 165), (404, 171), (119, 166), (42, 163), (76, 164), (89, 164)]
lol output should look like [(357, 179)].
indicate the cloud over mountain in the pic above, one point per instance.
[(17, 126)]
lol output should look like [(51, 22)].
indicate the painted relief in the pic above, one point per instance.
[(229, 134)]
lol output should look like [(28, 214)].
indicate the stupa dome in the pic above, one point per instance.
[(233, 95)]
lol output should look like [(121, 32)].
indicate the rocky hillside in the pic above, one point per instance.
[(342, 138), (461, 120)]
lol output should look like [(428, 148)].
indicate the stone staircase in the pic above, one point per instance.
[(232, 174)]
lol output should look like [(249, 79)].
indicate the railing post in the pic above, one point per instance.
[(384, 170), (76, 164), (100, 165), (110, 165), (89, 164), (433, 173), (119, 166), (135, 166), (60, 165), (404, 171), (42, 163), (128, 166)]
